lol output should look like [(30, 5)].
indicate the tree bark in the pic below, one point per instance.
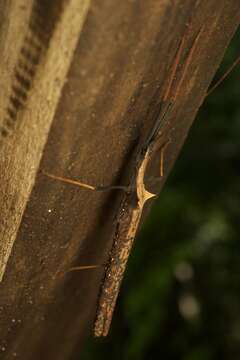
[(32, 84), (106, 108)]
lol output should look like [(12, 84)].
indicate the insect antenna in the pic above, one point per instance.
[(223, 77)]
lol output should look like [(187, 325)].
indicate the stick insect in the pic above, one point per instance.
[(136, 195)]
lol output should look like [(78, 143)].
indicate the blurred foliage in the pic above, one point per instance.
[(181, 294)]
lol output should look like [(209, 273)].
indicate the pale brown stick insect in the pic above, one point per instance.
[(129, 215)]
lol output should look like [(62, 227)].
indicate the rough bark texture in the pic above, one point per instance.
[(32, 84), (107, 107)]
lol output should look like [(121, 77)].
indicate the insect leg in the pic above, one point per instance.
[(69, 181), (83, 267), (160, 121), (162, 150), (87, 186)]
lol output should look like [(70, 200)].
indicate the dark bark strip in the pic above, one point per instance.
[(36, 41)]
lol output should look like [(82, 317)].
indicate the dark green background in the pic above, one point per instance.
[(181, 294)]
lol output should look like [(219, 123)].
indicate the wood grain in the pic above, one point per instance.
[(31, 101)]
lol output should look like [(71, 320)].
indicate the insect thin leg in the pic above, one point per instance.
[(160, 120), (87, 186), (163, 148), (69, 181), (83, 267)]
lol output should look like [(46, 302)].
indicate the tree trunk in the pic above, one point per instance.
[(85, 114)]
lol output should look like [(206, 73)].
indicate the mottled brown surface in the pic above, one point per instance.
[(33, 83), (107, 107)]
